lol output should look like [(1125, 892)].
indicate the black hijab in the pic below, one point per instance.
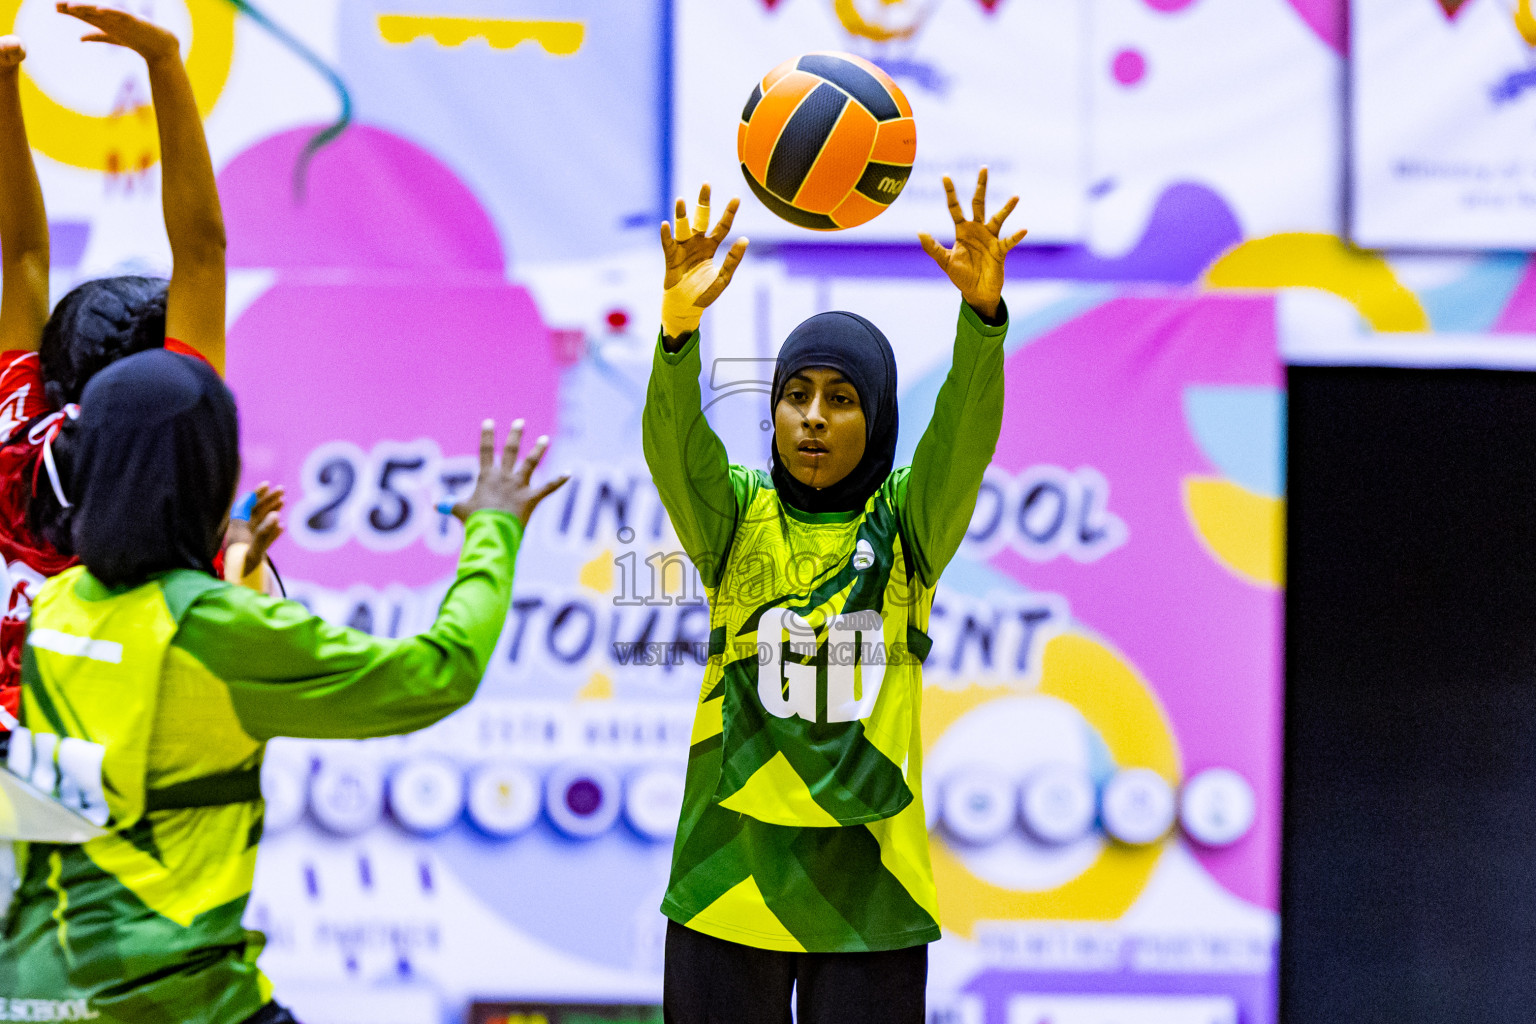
[(154, 458), (854, 347)]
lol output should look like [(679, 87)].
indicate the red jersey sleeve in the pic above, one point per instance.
[(21, 390), (182, 348), (22, 398)]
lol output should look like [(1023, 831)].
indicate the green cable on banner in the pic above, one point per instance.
[(326, 135)]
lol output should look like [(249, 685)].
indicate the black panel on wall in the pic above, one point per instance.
[(1408, 889)]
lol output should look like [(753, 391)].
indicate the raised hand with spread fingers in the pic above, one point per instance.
[(252, 529), (266, 524), (975, 263), (693, 280), (507, 486)]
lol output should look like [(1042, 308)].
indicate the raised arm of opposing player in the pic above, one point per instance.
[(194, 311), (23, 223)]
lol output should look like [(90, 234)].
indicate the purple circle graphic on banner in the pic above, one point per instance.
[(1129, 67), (583, 797)]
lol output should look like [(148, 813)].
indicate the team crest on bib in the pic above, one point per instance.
[(863, 556)]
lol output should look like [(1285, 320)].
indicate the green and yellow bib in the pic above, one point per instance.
[(802, 824), (817, 638), (142, 924)]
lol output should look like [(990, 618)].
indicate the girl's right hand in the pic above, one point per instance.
[(692, 281), (12, 52)]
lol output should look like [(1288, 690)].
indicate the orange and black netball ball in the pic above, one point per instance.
[(827, 141)]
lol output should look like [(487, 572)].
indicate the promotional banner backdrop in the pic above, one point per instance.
[(1101, 710)]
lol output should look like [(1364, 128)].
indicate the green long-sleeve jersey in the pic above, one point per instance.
[(802, 826), (149, 710)]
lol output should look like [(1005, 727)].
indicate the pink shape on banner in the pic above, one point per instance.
[(1453, 7), (1107, 391), (1129, 67), (371, 200), (391, 320), (1519, 316), (1329, 19)]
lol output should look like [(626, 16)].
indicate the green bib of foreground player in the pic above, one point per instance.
[(802, 826), (88, 918), (148, 711), (819, 631)]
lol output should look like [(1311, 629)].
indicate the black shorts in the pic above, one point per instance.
[(711, 981), (270, 1014)]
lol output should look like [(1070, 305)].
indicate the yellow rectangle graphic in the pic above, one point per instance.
[(558, 38)]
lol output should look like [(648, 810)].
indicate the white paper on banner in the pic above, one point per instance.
[(1237, 96), (1444, 126), (1122, 1010), (395, 1004), (382, 912), (1005, 88)]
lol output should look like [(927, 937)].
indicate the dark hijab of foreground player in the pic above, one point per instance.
[(856, 348), (153, 496)]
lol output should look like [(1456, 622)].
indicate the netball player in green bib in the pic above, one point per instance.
[(150, 689), (801, 861)]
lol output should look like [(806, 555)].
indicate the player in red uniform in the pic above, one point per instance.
[(46, 361)]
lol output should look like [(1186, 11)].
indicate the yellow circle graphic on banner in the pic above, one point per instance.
[(126, 141), (1113, 698)]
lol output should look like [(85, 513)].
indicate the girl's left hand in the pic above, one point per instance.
[(120, 28), (975, 264), (266, 526)]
